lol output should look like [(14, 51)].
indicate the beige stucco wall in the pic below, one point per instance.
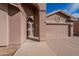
[(42, 6), (57, 18), (3, 25), (14, 25), (42, 20), (18, 24), (23, 28)]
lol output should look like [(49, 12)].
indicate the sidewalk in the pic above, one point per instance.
[(33, 48)]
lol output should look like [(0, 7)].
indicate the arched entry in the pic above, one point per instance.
[(32, 21), (14, 23)]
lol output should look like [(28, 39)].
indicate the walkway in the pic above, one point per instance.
[(33, 48)]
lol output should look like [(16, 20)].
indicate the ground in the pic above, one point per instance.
[(8, 51), (65, 47), (34, 48)]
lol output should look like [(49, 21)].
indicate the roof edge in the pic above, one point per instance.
[(61, 11)]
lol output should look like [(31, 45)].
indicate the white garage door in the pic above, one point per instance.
[(57, 31)]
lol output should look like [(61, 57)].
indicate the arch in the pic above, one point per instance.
[(31, 9), (20, 22), (36, 5), (33, 6), (14, 22)]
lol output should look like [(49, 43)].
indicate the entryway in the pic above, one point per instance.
[(32, 21), (30, 28)]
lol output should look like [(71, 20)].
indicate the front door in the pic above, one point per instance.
[(30, 28)]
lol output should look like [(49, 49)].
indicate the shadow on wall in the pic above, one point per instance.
[(76, 28), (3, 5), (12, 11)]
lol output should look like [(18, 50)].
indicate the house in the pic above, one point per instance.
[(28, 21), (16, 20), (61, 25)]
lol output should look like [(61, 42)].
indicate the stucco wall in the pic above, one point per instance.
[(3, 25), (14, 25), (42, 20), (42, 25), (42, 6), (57, 18), (18, 24), (23, 28)]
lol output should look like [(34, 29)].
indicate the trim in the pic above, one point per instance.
[(62, 12)]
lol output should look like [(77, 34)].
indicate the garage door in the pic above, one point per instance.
[(57, 31)]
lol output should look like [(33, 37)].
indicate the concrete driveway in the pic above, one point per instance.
[(33, 48)]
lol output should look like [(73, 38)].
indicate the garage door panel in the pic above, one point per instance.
[(57, 31)]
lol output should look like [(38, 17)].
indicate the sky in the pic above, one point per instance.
[(71, 8)]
